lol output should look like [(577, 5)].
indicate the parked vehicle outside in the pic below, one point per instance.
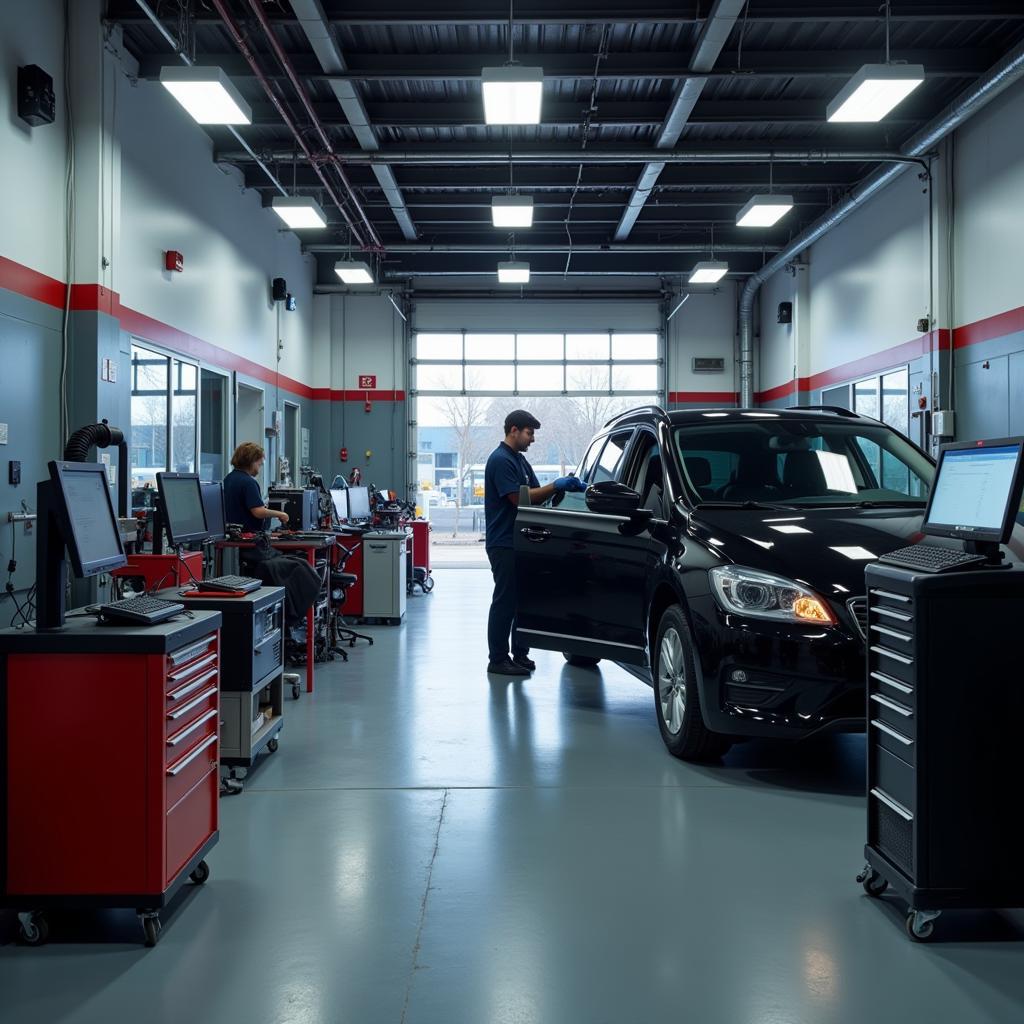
[(719, 555)]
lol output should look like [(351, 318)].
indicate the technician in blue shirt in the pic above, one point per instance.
[(243, 502), (507, 470)]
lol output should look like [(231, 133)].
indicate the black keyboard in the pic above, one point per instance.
[(139, 611), (280, 537), (931, 558), (247, 584)]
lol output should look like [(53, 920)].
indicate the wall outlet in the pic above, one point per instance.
[(3, 433)]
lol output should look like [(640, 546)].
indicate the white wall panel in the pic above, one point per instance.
[(704, 326), (548, 315)]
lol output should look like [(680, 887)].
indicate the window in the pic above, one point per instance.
[(611, 456), (590, 460), (164, 415), (213, 417)]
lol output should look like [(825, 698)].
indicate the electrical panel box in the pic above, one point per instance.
[(943, 423), (707, 364)]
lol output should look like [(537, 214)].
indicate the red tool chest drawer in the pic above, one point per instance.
[(191, 821)]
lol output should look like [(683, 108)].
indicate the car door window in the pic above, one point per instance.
[(590, 460), (647, 475), (610, 460)]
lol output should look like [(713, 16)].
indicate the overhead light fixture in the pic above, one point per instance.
[(354, 272), (207, 94), (299, 211), (512, 94), (708, 272), (512, 211), (874, 91), (763, 211), (513, 273)]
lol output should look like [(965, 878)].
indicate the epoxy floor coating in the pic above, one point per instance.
[(429, 847)]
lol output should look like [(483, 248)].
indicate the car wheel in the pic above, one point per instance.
[(581, 660), (676, 695)]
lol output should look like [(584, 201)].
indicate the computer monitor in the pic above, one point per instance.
[(86, 517), (339, 498), (213, 507), (358, 503), (976, 493), (182, 503)]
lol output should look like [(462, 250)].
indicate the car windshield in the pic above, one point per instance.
[(803, 462)]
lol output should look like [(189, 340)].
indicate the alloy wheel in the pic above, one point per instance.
[(672, 681)]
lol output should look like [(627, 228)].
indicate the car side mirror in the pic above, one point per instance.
[(612, 498)]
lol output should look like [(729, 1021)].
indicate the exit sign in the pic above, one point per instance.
[(367, 380)]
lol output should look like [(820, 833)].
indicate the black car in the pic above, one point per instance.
[(719, 555)]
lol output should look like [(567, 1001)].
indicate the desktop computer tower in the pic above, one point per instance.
[(301, 504)]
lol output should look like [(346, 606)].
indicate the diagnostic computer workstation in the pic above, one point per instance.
[(134, 810), (944, 704)]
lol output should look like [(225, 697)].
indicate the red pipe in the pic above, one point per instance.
[(243, 48), (289, 70)]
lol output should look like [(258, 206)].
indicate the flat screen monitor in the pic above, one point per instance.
[(339, 498), (182, 502), (977, 491), (358, 503), (213, 507), (87, 518)]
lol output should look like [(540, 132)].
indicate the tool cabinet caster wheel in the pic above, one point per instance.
[(201, 873), (296, 692), (33, 929), (919, 927), (151, 929), (874, 884), (272, 745)]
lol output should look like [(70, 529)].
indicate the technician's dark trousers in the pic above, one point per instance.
[(501, 620)]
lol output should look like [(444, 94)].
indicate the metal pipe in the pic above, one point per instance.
[(405, 248), (998, 78), (185, 59), (596, 156), (250, 59)]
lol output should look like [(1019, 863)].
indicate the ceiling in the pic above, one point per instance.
[(385, 98)]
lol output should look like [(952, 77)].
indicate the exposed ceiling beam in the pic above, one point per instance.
[(657, 65), (471, 248), (313, 22), (713, 37)]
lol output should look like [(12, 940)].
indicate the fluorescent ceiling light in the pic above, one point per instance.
[(207, 94), (874, 91), (353, 272), (512, 94), (708, 272), (764, 211), (514, 273), (299, 212), (512, 211)]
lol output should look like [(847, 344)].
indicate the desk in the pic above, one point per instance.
[(309, 548), (108, 765)]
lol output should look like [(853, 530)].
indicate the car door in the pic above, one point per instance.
[(580, 575)]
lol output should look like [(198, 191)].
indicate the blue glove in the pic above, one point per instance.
[(569, 483)]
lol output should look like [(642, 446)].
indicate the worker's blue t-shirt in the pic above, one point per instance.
[(241, 493), (505, 473)]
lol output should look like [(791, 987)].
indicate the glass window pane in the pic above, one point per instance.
[(540, 378), (490, 378), (896, 400), (439, 378), (183, 423), (865, 397), (593, 377), (214, 419), (539, 346), (634, 346), (611, 456), (634, 378), (490, 346), (150, 381), (586, 346), (438, 346)]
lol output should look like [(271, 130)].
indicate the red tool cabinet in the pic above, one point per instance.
[(353, 606), (109, 758), (160, 571)]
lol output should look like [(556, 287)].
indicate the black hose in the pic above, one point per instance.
[(102, 435)]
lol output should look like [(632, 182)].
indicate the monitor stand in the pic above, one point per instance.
[(990, 550), (51, 563)]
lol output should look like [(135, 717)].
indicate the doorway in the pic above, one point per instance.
[(214, 425), (291, 448), (250, 420)]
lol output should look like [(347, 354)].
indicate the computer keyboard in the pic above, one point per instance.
[(246, 584), (139, 611), (282, 535), (931, 558)]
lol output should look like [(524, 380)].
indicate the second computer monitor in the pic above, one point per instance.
[(87, 518), (339, 498), (213, 506), (358, 503), (182, 501)]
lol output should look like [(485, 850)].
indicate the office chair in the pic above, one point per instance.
[(341, 583)]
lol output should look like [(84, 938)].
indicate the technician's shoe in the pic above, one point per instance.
[(506, 668), (524, 662)]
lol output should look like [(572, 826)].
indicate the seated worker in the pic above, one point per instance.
[(243, 502)]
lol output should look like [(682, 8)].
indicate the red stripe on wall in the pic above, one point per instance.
[(30, 283), (336, 395), (997, 326), (692, 397)]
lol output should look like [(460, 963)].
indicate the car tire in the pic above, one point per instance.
[(581, 660), (677, 695)]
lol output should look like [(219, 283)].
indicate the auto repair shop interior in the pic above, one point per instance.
[(273, 273)]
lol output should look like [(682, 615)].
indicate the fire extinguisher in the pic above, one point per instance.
[(343, 454)]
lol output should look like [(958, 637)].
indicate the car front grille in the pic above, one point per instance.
[(858, 609)]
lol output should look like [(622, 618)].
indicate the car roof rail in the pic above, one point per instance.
[(837, 409), (655, 410)]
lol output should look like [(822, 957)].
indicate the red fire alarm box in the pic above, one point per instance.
[(173, 260), (343, 454)]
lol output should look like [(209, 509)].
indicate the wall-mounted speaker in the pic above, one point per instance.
[(278, 289), (785, 312)]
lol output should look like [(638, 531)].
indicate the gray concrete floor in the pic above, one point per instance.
[(427, 847)]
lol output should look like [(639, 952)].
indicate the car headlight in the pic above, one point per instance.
[(765, 596)]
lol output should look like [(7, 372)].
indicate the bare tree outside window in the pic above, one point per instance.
[(466, 415)]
